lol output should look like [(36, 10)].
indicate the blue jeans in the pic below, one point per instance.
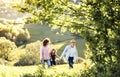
[(48, 62), (70, 61)]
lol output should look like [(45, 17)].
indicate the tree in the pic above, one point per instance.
[(98, 21)]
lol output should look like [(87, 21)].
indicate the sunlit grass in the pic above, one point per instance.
[(63, 68), (11, 71)]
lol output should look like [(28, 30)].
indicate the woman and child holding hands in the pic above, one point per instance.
[(49, 56)]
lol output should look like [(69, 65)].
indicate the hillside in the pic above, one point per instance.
[(58, 39), (20, 71), (6, 12), (39, 32)]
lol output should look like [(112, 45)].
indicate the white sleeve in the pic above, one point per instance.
[(64, 52)]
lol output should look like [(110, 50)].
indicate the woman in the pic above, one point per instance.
[(45, 52)]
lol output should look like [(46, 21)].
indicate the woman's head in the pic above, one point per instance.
[(46, 41)]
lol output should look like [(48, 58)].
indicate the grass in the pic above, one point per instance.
[(64, 68), (39, 32), (12, 71)]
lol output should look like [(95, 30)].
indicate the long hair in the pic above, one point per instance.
[(53, 50), (46, 41)]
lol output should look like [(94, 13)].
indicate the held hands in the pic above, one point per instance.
[(61, 59), (76, 61), (42, 61)]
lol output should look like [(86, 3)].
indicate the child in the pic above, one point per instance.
[(53, 55)]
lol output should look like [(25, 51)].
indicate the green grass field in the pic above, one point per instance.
[(59, 41), (38, 32), (12, 71)]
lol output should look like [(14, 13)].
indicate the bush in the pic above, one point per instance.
[(15, 33), (3, 62), (31, 56), (27, 59), (7, 49), (22, 37)]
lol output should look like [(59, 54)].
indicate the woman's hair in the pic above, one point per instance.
[(46, 41)]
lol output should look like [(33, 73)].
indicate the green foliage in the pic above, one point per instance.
[(15, 33), (96, 20), (40, 72), (7, 49), (23, 37), (103, 40), (25, 60), (31, 55)]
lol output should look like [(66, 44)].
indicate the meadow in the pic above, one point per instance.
[(38, 32), (97, 21), (59, 41), (12, 71)]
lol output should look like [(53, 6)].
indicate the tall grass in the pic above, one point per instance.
[(12, 71), (36, 71)]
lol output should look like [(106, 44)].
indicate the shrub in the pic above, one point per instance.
[(31, 56), (22, 37), (15, 33), (7, 49), (3, 62)]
